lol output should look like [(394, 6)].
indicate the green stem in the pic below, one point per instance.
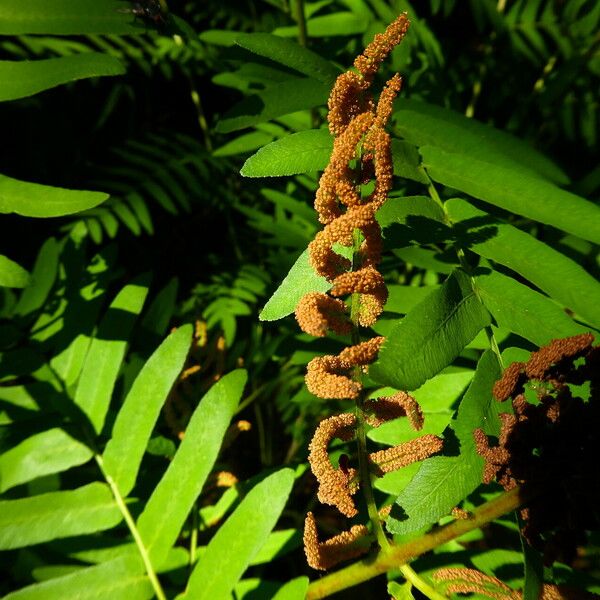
[(200, 114), (303, 41), (251, 398), (489, 332), (418, 582), (385, 561), (262, 442), (361, 436), (460, 253), (158, 591), (365, 477), (301, 20)]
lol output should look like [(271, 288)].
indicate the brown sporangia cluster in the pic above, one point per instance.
[(344, 546), (471, 581), (551, 445), (338, 485), (361, 155)]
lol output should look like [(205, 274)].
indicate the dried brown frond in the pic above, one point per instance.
[(361, 354), (551, 445), (361, 151), (336, 182), (471, 581), (327, 376), (392, 459), (506, 386), (186, 373), (379, 141), (341, 547), (542, 361), (200, 334), (224, 479)]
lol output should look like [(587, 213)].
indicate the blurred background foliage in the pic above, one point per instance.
[(167, 141)]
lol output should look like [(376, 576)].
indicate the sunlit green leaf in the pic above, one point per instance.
[(293, 590), (35, 200), (119, 579), (554, 273), (43, 276), (300, 280), (276, 100), (173, 498), (515, 191), (136, 419), (19, 79), (425, 124), (443, 482), (66, 17), (43, 453), (431, 335), (400, 591), (12, 274), (37, 519), (290, 54), (300, 152), (247, 142), (406, 161), (106, 353), (523, 310), (232, 548), (334, 24), (277, 544), (403, 298)]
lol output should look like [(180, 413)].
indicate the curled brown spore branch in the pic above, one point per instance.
[(401, 404), (335, 485), (361, 152), (344, 546), (407, 453), (329, 376)]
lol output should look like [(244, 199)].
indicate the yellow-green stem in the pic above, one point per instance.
[(202, 122), (119, 500), (417, 581), (399, 555), (361, 436)]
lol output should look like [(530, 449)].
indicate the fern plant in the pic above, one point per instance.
[(81, 424), (156, 438), (501, 281)]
